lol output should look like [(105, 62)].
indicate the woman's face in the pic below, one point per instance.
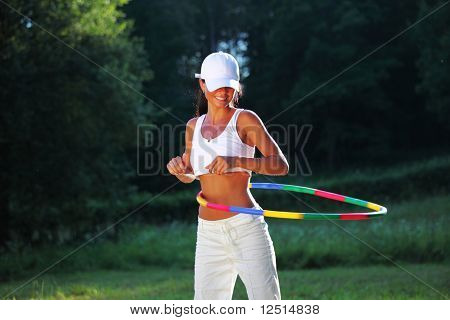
[(220, 97)]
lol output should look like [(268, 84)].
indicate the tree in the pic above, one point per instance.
[(66, 123)]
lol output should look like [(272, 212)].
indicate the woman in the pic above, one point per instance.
[(220, 147)]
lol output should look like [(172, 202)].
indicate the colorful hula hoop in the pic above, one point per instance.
[(379, 210)]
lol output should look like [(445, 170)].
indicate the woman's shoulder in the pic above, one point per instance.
[(190, 126), (248, 117), (191, 123)]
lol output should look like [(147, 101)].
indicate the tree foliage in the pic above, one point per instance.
[(66, 122)]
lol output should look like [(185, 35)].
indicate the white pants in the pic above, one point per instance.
[(240, 245)]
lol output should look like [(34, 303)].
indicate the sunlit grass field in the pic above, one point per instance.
[(372, 282)]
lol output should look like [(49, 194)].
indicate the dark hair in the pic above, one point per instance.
[(201, 104)]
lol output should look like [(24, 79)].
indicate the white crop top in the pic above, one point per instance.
[(228, 143)]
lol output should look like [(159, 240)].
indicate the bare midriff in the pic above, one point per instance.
[(229, 189)]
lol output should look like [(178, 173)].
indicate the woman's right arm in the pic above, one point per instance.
[(180, 167)]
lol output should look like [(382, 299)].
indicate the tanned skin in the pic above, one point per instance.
[(218, 186)]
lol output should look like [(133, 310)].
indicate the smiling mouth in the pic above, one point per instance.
[(220, 98)]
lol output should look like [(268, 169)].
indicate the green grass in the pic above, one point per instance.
[(373, 282), (412, 232), (415, 231)]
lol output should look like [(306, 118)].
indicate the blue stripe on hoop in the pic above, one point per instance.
[(246, 210), (262, 185)]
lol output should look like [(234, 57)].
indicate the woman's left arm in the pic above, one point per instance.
[(255, 133)]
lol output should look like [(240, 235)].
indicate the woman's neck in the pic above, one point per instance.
[(217, 114)]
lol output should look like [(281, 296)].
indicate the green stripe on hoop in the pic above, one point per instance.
[(319, 216), (301, 189)]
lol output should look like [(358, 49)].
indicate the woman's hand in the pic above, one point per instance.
[(177, 166), (220, 164)]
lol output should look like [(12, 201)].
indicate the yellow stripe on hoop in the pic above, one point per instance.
[(202, 201), (283, 214), (373, 206)]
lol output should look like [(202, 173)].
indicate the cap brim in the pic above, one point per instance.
[(214, 84)]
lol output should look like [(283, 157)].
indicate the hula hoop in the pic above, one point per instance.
[(379, 210)]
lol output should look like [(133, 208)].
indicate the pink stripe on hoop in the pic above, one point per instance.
[(354, 216), (329, 195), (218, 206)]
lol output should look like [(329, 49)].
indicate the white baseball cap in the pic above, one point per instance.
[(220, 69)]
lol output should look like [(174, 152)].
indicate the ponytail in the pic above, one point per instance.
[(201, 105)]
